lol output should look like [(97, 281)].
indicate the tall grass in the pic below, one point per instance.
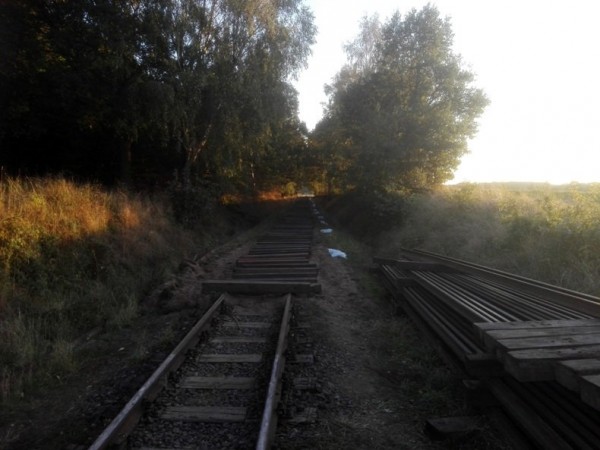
[(540, 231), (73, 257)]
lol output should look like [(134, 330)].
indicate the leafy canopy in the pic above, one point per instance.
[(402, 109), (139, 89)]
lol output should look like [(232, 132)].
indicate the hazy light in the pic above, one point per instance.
[(536, 60)]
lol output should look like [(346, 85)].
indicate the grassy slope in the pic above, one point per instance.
[(73, 257), (550, 233), (543, 232)]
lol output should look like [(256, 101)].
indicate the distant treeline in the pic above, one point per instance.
[(140, 90), (137, 90)]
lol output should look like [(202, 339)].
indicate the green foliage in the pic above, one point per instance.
[(74, 257), (138, 89), (401, 111), (547, 233), (289, 190), (193, 204), (379, 212)]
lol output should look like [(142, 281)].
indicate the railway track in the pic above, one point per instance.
[(220, 387), (534, 346)]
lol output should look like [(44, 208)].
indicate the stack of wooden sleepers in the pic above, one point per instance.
[(535, 346), (279, 261)]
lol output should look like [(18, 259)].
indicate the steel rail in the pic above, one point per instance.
[(531, 307), (268, 419), (524, 309), (581, 302), (450, 300), (460, 337), (552, 306), (475, 308), (132, 410)]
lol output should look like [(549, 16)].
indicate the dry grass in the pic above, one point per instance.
[(73, 257), (540, 231)]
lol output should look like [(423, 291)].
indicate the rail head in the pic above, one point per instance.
[(268, 419)]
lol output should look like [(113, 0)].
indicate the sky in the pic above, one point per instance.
[(538, 61)]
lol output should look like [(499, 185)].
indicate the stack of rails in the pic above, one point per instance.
[(536, 346)]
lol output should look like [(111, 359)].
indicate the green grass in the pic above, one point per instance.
[(74, 257), (540, 231)]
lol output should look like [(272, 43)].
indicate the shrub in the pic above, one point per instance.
[(544, 232), (73, 257)]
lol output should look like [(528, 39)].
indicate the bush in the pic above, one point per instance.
[(547, 233), (73, 257)]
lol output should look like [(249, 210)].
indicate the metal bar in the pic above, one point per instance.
[(268, 421), (579, 301)]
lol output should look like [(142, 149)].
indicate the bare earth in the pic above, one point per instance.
[(377, 381)]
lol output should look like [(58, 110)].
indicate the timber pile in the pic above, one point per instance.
[(535, 346), (567, 351), (279, 262)]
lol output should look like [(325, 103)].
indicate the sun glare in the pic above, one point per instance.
[(542, 120)]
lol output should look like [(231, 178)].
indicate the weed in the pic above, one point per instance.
[(62, 357), (543, 232), (125, 312), (74, 257)]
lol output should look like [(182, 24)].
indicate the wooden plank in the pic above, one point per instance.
[(257, 325), (224, 358), (281, 265), (301, 277), (276, 270), (590, 390), (538, 364), (260, 287), (163, 448), (494, 335), (279, 252), (482, 327), (569, 372), (272, 258), (238, 340), (218, 383), (452, 427), (506, 345), (305, 383), (210, 414)]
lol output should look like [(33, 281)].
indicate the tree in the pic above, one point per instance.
[(109, 89), (404, 105)]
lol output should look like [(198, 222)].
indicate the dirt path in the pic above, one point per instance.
[(378, 381)]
